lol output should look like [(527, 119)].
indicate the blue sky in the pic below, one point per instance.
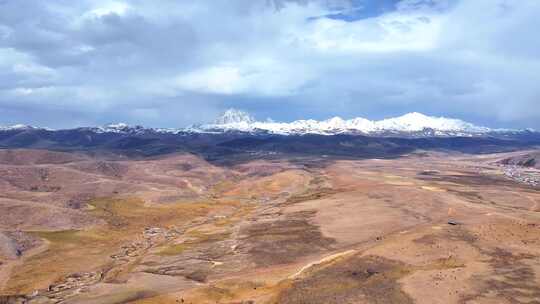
[(357, 10), (170, 63)]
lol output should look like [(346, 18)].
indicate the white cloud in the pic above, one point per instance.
[(219, 80), (389, 33), (253, 76), (32, 69), (474, 59), (22, 91), (107, 8)]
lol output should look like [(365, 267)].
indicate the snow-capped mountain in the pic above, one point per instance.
[(119, 128), (233, 116), (20, 127), (411, 123)]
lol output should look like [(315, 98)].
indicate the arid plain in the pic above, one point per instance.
[(422, 228)]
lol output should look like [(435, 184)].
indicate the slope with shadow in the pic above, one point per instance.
[(528, 160), (237, 144)]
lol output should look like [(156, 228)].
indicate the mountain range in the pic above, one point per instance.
[(237, 136), (409, 125), (412, 124)]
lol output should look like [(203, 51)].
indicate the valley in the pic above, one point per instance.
[(269, 152), (427, 227)]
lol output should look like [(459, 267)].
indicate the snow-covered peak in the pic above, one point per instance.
[(235, 120), (415, 122), (119, 128), (17, 127), (233, 116), (120, 125)]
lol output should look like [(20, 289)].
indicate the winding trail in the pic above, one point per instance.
[(324, 260)]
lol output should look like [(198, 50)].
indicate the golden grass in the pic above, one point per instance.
[(204, 236), (73, 251), (67, 236), (174, 249), (434, 189), (68, 252), (132, 212), (199, 237), (232, 291), (221, 187), (269, 185), (130, 296)]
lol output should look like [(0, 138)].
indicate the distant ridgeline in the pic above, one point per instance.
[(237, 133)]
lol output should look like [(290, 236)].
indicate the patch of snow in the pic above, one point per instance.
[(22, 127), (119, 128)]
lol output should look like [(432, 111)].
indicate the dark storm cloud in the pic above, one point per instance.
[(172, 63)]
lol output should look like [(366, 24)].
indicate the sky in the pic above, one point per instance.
[(167, 63)]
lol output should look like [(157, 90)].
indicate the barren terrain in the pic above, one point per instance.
[(422, 228)]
